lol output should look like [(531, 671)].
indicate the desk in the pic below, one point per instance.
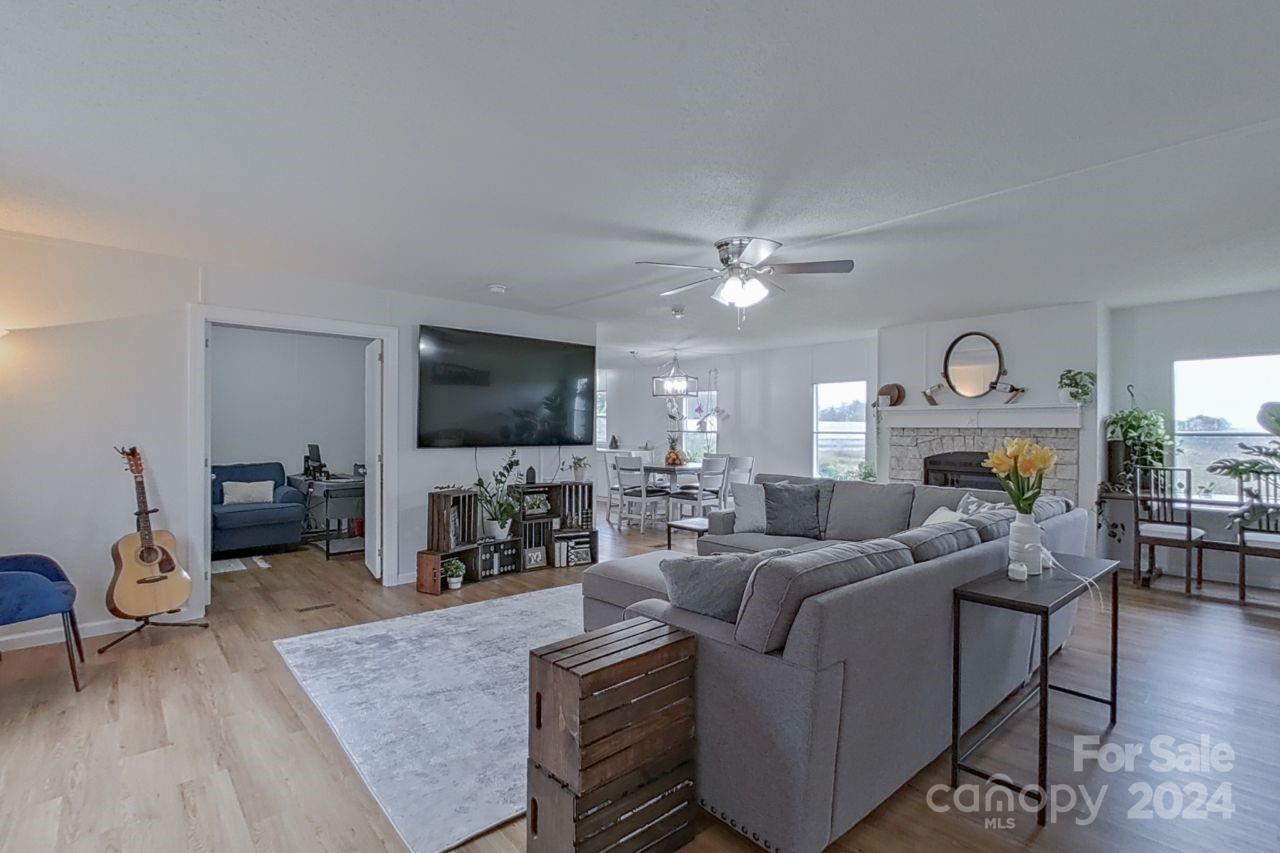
[(1042, 596), (329, 503)]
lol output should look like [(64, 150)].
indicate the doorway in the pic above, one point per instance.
[(270, 387)]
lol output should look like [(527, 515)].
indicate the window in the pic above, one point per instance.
[(839, 429), (602, 419), (1215, 408), (698, 428)]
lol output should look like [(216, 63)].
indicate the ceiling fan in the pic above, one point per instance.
[(744, 277)]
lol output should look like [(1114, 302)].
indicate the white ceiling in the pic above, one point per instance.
[(970, 156)]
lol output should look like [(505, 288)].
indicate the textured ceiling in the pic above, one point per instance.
[(969, 156)]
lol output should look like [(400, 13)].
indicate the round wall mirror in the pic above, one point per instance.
[(972, 363)]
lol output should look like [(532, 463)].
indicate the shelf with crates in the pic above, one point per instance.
[(552, 514)]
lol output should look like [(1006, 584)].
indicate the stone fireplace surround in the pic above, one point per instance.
[(908, 447)]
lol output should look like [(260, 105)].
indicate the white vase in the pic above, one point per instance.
[(496, 530), (1024, 543), (579, 474)]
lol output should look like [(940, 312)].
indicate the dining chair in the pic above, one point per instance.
[(1162, 518), (31, 586), (1260, 536), (708, 491), (615, 486), (740, 470), (636, 489)]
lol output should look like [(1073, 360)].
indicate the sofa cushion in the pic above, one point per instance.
[(1048, 506), (229, 516), (824, 484), (779, 586), (868, 510), (712, 586), (938, 540), (791, 509), (247, 472), (929, 498), (624, 581), (748, 508), (749, 543), (992, 524)]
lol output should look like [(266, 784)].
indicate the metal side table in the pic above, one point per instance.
[(1041, 596)]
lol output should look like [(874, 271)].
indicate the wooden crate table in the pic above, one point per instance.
[(611, 740)]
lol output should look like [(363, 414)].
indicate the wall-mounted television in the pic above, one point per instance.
[(477, 389)]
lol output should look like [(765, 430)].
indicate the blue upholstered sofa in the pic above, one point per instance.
[(256, 525)]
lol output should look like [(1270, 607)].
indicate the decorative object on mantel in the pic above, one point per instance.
[(973, 365), (1009, 388), (891, 394), (672, 381), (1021, 466), (930, 391), (613, 442), (1077, 386)]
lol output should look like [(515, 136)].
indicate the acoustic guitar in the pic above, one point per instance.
[(147, 579)]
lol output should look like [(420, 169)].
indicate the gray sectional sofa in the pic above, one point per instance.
[(833, 688)]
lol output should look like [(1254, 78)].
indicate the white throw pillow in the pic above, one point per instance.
[(969, 505), (941, 515), (260, 492)]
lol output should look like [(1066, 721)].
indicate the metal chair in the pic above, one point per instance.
[(1162, 518), (1259, 537), (635, 488), (708, 491)]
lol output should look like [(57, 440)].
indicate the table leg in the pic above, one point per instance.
[(1042, 772), (668, 535), (1137, 546), (1115, 639), (955, 691)]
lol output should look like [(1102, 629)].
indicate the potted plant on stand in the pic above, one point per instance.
[(1020, 466), (1077, 386), (452, 570), (578, 465), (496, 500)]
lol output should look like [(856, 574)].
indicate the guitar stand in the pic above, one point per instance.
[(145, 622)]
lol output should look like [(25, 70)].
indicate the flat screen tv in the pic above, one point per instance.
[(477, 389)]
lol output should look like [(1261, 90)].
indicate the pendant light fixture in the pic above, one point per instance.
[(673, 381)]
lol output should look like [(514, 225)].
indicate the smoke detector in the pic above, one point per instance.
[(677, 311)]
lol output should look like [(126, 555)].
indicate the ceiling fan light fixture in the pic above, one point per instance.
[(729, 290), (737, 292), (753, 292)]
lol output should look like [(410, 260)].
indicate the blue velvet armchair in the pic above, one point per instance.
[(32, 586), (256, 525)]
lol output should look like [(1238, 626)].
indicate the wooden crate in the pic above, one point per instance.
[(429, 579), (608, 702)]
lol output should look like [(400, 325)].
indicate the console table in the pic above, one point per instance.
[(1042, 596)]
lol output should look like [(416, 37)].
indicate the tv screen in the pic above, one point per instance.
[(477, 389)]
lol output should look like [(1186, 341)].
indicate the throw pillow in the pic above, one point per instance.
[(712, 586), (748, 508), (791, 509), (942, 515), (970, 505), (1049, 506), (260, 492), (938, 540)]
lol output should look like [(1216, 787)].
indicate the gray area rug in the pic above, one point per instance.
[(433, 708)]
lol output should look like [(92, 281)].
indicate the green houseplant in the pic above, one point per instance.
[(452, 570), (496, 500), (1260, 459), (1077, 386), (1135, 437), (578, 465)]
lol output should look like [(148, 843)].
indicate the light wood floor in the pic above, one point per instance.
[(202, 740)]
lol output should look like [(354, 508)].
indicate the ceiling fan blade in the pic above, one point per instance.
[(682, 288), (677, 266), (812, 267), (757, 251)]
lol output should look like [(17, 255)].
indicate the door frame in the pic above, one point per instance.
[(199, 318)]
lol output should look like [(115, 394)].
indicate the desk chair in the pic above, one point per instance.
[(32, 586)]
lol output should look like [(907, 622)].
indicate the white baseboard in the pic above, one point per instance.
[(48, 636)]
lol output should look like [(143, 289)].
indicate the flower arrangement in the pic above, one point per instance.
[(704, 416), (1021, 466)]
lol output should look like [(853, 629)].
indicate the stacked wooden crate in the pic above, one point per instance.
[(611, 740)]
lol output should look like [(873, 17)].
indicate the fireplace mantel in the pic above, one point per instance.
[(1014, 415)]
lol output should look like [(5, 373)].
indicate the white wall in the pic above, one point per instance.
[(272, 393), (768, 394), (1146, 340), (69, 393), (1038, 344)]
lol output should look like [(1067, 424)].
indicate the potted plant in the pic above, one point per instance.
[(1077, 386), (1263, 459), (496, 499), (1134, 437), (1020, 467), (452, 571), (578, 465)]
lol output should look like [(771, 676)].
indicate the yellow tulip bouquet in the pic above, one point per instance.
[(1021, 466)]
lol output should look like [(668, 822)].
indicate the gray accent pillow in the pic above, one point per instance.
[(778, 587), (929, 498), (992, 524), (712, 586), (938, 540), (748, 508), (791, 509), (1049, 506), (861, 511)]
